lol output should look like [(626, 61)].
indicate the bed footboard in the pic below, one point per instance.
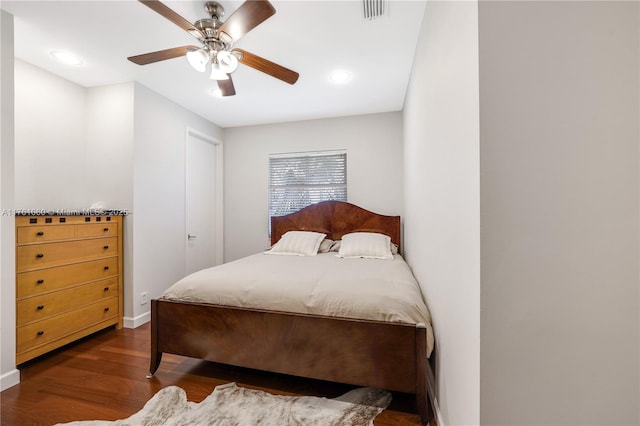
[(357, 352)]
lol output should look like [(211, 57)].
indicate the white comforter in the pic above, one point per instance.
[(383, 290)]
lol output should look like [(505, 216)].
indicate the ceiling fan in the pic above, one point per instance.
[(217, 38)]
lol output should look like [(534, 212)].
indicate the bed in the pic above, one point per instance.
[(377, 349)]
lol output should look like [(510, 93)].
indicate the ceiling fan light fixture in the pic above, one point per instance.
[(196, 33), (227, 61), (225, 38), (217, 73), (198, 59)]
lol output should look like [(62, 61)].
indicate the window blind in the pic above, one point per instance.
[(298, 180)]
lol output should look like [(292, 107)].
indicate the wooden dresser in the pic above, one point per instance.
[(68, 280)]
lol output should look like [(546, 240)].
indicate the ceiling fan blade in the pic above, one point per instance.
[(160, 55), (249, 15), (226, 87), (168, 13), (267, 67)]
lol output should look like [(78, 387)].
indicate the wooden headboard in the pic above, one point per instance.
[(335, 218)]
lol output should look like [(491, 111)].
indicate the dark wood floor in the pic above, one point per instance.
[(103, 377)]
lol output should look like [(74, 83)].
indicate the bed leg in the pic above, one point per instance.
[(156, 356), (422, 398), (423, 408)]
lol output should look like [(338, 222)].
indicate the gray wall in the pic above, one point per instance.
[(442, 189), (9, 375), (522, 223), (73, 144), (559, 156)]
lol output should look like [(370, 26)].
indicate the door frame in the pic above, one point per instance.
[(219, 209)]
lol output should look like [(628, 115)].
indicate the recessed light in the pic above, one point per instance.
[(339, 76), (66, 58)]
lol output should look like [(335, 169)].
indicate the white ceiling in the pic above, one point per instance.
[(310, 37)]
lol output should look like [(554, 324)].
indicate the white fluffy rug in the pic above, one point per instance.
[(230, 405)]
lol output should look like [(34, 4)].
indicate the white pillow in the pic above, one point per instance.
[(336, 247), (366, 244), (298, 243)]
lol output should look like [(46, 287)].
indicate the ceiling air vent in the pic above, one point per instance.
[(373, 9)]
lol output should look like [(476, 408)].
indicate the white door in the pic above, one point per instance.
[(201, 202)]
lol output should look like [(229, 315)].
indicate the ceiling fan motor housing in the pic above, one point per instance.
[(208, 26), (214, 9)]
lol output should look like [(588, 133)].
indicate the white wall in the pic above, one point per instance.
[(374, 169), (559, 111), (158, 218), (9, 376), (108, 162), (441, 175), (50, 120), (74, 144)]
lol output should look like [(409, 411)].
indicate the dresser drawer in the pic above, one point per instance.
[(51, 279), (34, 234), (44, 306), (97, 230), (53, 254), (50, 329)]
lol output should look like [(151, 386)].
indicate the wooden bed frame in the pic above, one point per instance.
[(389, 356)]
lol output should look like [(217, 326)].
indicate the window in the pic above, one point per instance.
[(300, 179)]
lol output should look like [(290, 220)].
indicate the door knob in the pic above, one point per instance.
[(191, 237)]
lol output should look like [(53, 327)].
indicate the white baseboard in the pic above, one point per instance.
[(135, 322), (9, 379), (436, 412), (431, 391)]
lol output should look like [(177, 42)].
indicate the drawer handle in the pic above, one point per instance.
[(106, 309), (40, 332), (106, 229), (40, 233), (106, 289), (40, 282), (39, 255), (106, 268), (106, 247), (40, 307)]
